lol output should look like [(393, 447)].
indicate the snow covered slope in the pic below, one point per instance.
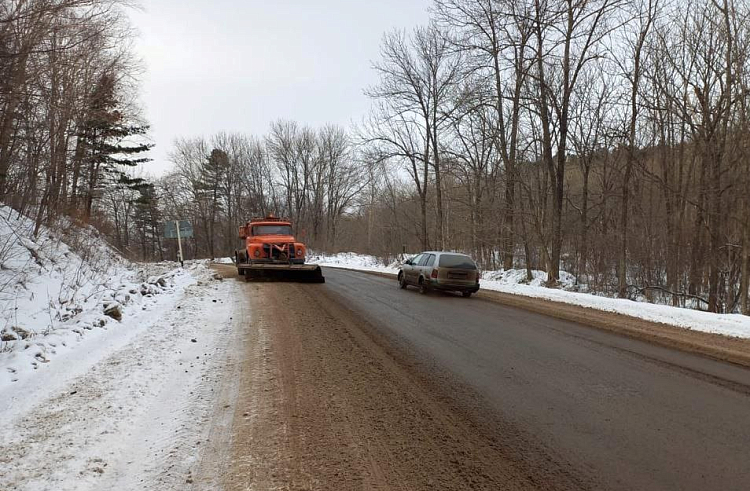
[(111, 372), (64, 286), (514, 282)]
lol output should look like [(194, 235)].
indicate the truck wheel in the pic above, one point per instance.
[(466, 294)]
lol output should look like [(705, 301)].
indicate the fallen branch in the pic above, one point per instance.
[(662, 289)]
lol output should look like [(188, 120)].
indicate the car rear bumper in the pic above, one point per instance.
[(454, 287)]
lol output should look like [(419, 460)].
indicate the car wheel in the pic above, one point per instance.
[(401, 281), (466, 294), (422, 286)]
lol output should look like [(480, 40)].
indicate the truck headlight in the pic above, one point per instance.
[(257, 253), (300, 252)]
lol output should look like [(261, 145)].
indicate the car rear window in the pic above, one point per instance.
[(456, 261)]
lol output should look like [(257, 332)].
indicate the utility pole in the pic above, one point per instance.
[(179, 242)]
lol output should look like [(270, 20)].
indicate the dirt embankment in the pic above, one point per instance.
[(324, 404)]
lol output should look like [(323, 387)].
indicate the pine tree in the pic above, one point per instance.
[(147, 221), (209, 187), (106, 151)]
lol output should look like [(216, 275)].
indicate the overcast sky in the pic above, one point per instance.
[(237, 65)]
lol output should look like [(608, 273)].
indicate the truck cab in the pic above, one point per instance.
[(271, 240), (272, 253)]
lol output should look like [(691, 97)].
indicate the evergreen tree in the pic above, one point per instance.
[(104, 143), (148, 219), (213, 175)]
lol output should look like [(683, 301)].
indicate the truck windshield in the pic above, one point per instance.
[(272, 230), (456, 261)]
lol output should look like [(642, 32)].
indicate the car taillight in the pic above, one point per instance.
[(434, 273)]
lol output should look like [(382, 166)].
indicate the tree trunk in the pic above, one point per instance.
[(510, 197), (552, 270), (584, 223), (559, 189), (438, 185), (425, 242), (510, 165), (715, 233), (697, 256), (18, 70), (745, 280), (622, 268)]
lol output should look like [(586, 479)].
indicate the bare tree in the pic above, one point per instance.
[(417, 78), (568, 36), (496, 36), (401, 139), (645, 14)]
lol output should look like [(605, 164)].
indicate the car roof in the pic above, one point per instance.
[(444, 252)]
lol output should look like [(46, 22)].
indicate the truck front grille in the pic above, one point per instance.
[(271, 252)]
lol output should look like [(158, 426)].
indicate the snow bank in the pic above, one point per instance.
[(514, 282), (727, 324), (63, 285), (352, 260), (518, 276)]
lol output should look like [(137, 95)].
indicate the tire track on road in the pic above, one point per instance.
[(343, 409)]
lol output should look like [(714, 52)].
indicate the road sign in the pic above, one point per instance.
[(173, 231), (170, 230)]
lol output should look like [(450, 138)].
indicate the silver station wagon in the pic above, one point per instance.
[(434, 270)]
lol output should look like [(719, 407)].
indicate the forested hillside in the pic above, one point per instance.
[(605, 138), (70, 129)]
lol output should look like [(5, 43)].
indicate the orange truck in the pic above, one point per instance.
[(271, 252)]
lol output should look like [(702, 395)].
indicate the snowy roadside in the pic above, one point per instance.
[(111, 372), (129, 407), (352, 260), (34, 357), (64, 287), (734, 325)]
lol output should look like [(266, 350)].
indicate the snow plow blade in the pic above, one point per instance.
[(303, 273)]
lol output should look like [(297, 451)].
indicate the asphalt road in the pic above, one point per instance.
[(633, 415)]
